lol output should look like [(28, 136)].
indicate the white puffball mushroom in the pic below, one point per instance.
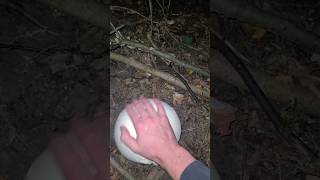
[(45, 167), (125, 120)]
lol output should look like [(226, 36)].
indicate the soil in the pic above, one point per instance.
[(254, 150), (43, 72), (127, 83)]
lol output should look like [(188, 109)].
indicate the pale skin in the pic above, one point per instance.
[(155, 138)]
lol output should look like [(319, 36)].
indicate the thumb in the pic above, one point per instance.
[(128, 140)]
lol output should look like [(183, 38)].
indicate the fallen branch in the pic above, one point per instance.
[(162, 55), (98, 15), (281, 88), (165, 76), (274, 117), (120, 8), (283, 27)]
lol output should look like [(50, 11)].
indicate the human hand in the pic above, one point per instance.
[(155, 139), (84, 139), (155, 136)]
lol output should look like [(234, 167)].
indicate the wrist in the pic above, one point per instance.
[(175, 162)]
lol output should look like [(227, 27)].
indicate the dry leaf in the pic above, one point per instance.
[(255, 31), (189, 72), (178, 98)]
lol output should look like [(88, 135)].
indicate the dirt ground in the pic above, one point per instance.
[(127, 83), (48, 59), (253, 150), (43, 72), (126, 86)]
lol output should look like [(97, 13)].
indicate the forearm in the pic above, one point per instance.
[(176, 162)]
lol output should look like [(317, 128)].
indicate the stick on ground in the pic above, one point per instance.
[(165, 76)]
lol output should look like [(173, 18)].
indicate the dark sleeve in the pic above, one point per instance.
[(196, 170)]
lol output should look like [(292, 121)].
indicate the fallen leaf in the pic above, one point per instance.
[(189, 72), (255, 31), (258, 33), (178, 98)]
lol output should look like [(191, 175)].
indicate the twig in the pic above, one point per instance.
[(151, 41), (128, 9), (185, 82), (169, 3), (28, 17), (25, 14), (162, 8), (151, 14), (279, 88), (149, 35), (43, 51), (114, 8), (165, 76), (116, 29), (162, 55), (122, 171)]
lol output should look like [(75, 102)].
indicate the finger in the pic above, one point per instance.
[(128, 140), (134, 116), (141, 97), (162, 113), (141, 109), (160, 107), (149, 108), (135, 104)]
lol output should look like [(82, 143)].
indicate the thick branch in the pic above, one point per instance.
[(165, 76), (164, 55), (97, 14), (281, 88), (283, 27)]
